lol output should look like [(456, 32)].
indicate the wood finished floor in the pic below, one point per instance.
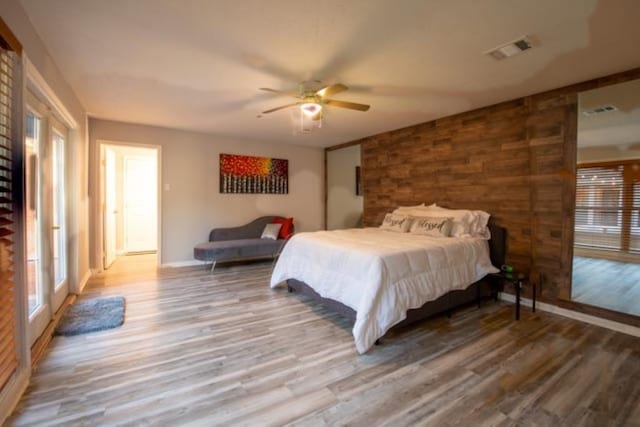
[(224, 349), (608, 284)]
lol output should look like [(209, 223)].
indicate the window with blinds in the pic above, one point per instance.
[(608, 207), (634, 241), (8, 333)]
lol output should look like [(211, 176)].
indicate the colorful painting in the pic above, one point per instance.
[(253, 175)]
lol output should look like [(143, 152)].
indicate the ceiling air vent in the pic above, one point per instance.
[(510, 49), (601, 109)]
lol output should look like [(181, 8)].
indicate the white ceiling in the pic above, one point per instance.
[(197, 64)]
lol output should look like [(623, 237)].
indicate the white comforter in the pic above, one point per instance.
[(381, 274)]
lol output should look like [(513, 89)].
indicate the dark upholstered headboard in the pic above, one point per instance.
[(497, 244)]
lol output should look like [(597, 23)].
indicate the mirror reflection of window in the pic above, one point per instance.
[(344, 204), (606, 268)]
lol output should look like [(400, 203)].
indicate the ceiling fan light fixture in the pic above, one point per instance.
[(310, 108), (309, 123), (312, 103)]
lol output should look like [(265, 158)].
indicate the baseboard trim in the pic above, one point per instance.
[(84, 281), (189, 263), (12, 392), (39, 347), (598, 321)]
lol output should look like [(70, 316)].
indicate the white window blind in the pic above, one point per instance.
[(8, 334), (634, 244)]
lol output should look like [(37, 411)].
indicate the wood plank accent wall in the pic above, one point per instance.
[(515, 160)]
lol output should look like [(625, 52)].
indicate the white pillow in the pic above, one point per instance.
[(463, 220), (431, 226), (480, 226), (271, 231), (395, 222), (411, 210), (475, 222), (403, 209)]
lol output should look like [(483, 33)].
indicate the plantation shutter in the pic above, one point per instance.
[(8, 86), (634, 244), (607, 207)]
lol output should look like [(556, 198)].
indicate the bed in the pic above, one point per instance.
[(381, 279)]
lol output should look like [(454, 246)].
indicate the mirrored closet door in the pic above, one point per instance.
[(606, 264), (344, 188)]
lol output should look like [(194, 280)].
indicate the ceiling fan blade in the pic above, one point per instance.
[(281, 92), (345, 104), (331, 90), (280, 108)]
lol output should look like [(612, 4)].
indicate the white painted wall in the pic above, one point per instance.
[(344, 208), (192, 204)]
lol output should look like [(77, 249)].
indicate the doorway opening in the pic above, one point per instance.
[(130, 201)]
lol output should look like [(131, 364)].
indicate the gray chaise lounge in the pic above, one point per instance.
[(239, 243)]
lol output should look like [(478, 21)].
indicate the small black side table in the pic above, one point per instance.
[(517, 280)]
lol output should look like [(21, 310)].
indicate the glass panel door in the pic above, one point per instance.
[(59, 214), (33, 240), (37, 279), (46, 215)]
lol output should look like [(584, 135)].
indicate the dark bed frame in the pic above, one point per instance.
[(484, 287)]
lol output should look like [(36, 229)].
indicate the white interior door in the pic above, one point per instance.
[(140, 203), (110, 210)]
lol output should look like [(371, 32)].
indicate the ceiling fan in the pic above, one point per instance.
[(312, 102)]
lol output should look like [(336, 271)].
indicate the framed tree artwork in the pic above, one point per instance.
[(253, 175)]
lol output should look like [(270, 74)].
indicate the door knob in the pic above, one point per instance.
[(56, 227)]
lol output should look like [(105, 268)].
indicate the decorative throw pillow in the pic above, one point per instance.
[(287, 227), (463, 219), (475, 223), (271, 231), (431, 226), (398, 223)]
